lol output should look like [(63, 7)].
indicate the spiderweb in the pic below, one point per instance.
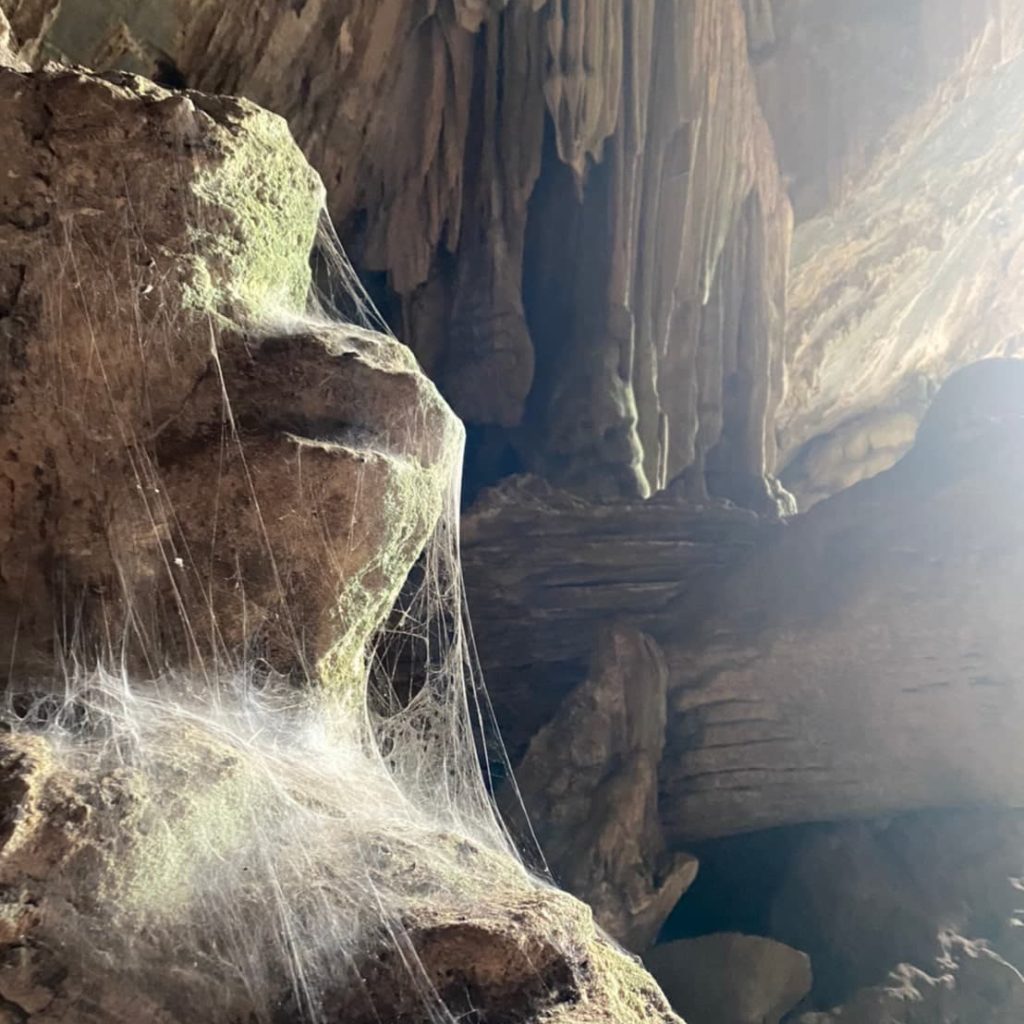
[(253, 834)]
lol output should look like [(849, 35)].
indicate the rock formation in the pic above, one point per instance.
[(680, 267), (978, 986), (473, 154), (589, 781), (735, 978), (196, 475), (114, 386)]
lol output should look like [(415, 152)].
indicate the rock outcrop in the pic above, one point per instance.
[(864, 661), (906, 265), (200, 474), (150, 244), (857, 661), (456, 143), (68, 848), (978, 986), (523, 174), (582, 215), (589, 783), (539, 608)]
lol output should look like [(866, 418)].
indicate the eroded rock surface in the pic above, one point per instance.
[(540, 606), (202, 474), (731, 979), (150, 245), (69, 845), (864, 661), (914, 272), (432, 128), (862, 897), (589, 782), (978, 986)]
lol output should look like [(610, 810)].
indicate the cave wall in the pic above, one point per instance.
[(672, 250), (667, 326), (660, 208)]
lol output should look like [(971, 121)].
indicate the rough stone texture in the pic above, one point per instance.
[(183, 446), (731, 979), (29, 21), (9, 48), (429, 127), (839, 83), (148, 243), (978, 986), (916, 271), (546, 572), (642, 158), (860, 660), (589, 782), (865, 660), (66, 842), (674, 366)]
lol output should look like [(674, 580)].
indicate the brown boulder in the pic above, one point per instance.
[(731, 979), (181, 447)]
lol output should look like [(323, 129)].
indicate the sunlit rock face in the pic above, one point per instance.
[(890, 121), (866, 659), (161, 392), (860, 659), (597, 268), (576, 207)]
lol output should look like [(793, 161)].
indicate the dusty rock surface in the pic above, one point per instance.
[(458, 139), (901, 889), (522, 954), (153, 276), (978, 986), (863, 661), (528, 223), (731, 979), (589, 782), (197, 470)]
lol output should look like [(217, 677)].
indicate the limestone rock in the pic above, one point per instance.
[(865, 661), (731, 979), (859, 660), (914, 273), (68, 846), (547, 571), (626, 363), (153, 282), (583, 209), (29, 23), (201, 473), (656, 345), (9, 55), (589, 782)]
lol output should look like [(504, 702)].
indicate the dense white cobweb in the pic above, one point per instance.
[(266, 836)]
